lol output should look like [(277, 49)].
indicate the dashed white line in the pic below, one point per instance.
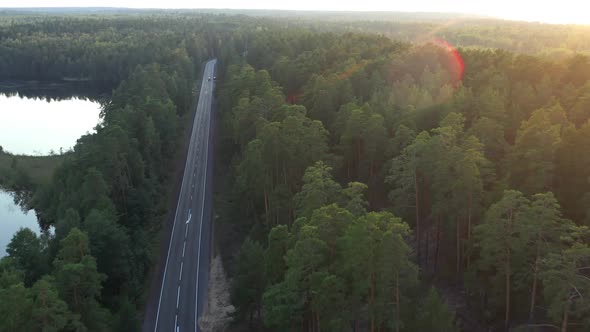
[(194, 152), (184, 175), (180, 275), (202, 215)]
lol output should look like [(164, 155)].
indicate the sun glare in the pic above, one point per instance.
[(563, 11), (558, 12)]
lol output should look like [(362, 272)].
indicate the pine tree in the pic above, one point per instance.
[(49, 312), (78, 282), (500, 243)]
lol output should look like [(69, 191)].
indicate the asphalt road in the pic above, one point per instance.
[(184, 284)]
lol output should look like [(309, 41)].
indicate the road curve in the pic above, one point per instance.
[(184, 283)]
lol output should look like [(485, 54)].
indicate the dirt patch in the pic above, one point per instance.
[(218, 310)]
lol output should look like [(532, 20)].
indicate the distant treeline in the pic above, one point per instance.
[(101, 49), (461, 30)]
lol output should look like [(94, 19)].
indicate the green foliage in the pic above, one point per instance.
[(15, 308), (94, 193), (111, 245), (550, 233), (532, 160), (571, 167), (24, 174), (282, 307), (335, 265), (565, 280), (78, 281), (434, 315), (127, 318), (354, 198), (275, 161), (26, 251), (9, 274), (274, 256), (362, 141), (319, 189), (70, 220), (501, 239), (401, 120), (114, 183), (49, 312), (249, 280)]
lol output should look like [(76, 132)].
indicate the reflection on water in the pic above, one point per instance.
[(37, 119), (36, 126), (54, 91), (12, 218)]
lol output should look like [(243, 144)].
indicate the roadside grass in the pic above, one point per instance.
[(39, 169)]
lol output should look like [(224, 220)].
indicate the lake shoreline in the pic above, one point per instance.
[(12, 218), (56, 90)]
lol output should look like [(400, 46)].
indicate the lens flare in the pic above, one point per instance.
[(455, 64)]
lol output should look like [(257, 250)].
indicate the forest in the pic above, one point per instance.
[(362, 179), (374, 168), (107, 200)]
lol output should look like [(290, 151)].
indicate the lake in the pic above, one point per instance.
[(39, 120), (39, 126), (12, 218)]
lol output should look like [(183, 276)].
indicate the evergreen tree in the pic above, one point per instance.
[(28, 254), (78, 281), (49, 312), (434, 315), (501, 243), (250, 282)]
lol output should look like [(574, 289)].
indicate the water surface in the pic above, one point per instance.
[(36, 126), (12, 218)]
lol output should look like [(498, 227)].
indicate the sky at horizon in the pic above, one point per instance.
[(562, 11)]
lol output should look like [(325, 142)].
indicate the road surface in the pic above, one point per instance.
[(186, 273)]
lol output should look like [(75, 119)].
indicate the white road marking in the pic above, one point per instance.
[(202, 215), (177, 296), (172, 233), (196, 129), (183, 247), (180, 275), (189, 217), (185, 235)]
